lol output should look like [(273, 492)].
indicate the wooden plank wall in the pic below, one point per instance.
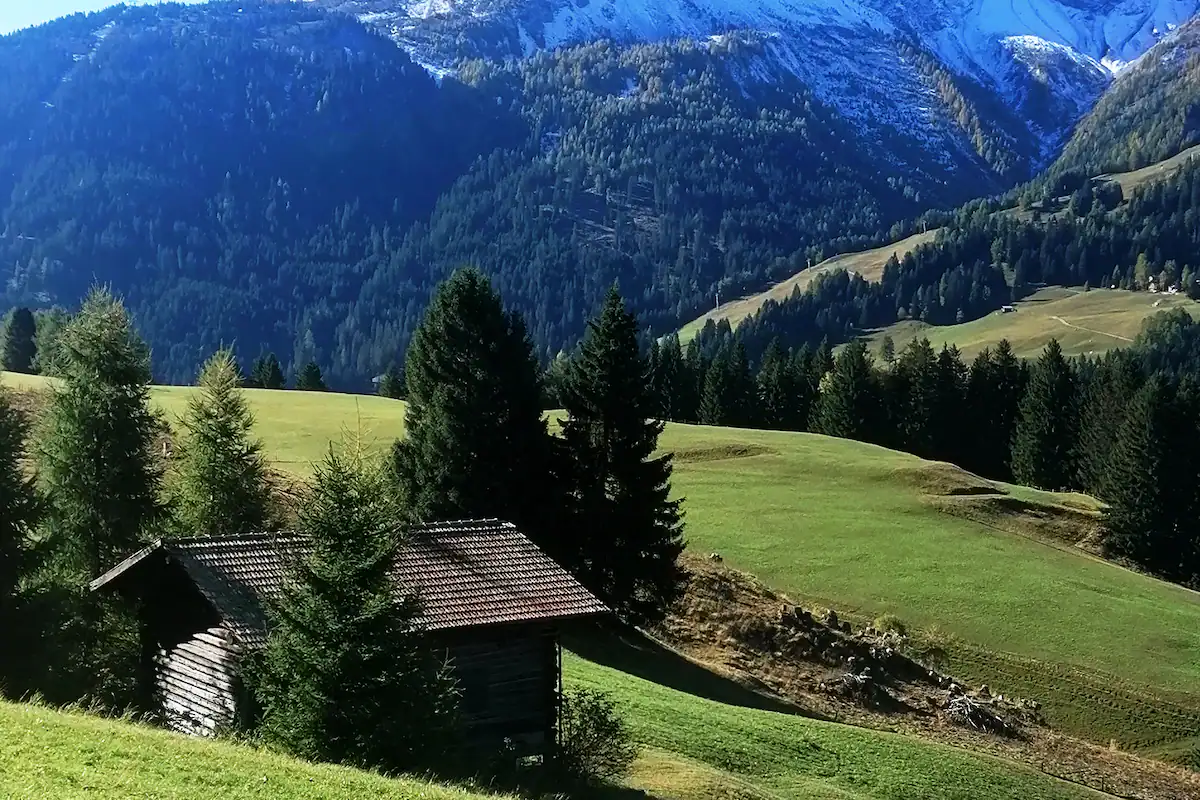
[(196, 684), (509, 683)]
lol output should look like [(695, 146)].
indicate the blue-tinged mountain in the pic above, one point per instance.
[(225, 167)]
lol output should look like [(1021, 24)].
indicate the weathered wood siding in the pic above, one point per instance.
[(509, 683), (196, 682)]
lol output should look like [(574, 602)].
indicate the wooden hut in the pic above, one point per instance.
[(491, 601)]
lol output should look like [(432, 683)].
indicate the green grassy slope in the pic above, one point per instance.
[(701, 748), (1083, 322), (1111, 653), (52, 755), (696, 747), (868, 263)]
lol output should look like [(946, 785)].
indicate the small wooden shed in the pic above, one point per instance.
[(491, 601)]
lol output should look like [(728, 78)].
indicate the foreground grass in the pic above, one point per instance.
[(1083, 322), (704, 749), (48, 754)]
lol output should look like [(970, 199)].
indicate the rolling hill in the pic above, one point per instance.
[(1004, 579)]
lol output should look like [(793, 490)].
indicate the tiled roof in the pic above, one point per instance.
[(467, 573)]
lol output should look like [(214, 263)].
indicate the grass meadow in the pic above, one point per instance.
[(988, 574), (1083, 322)]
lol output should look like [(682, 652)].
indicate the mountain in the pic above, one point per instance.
[(297, 177), (997, 82)]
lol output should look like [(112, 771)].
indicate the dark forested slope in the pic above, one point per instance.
[(224, 168)]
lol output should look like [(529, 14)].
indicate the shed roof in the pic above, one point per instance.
[(465, 573)]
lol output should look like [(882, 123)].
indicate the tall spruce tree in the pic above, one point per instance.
[(18, 341), (267, 373), (1104, 397), (1044, 442), (346, 676), (914, 388), (19, 508), (477, 444), (222, 484), (849, 401), (777, 389), (94, 444), (632, 532), (310, 379), (950, 423), (1152, 484)]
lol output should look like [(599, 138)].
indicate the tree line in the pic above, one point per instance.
[(1122, 427), (344, 676)]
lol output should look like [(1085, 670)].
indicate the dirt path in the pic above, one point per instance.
[(1090, 330)]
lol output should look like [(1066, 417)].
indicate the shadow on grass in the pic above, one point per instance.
[(630, 651)]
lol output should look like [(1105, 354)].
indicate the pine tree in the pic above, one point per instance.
[(345, 676), (715, 397), (806, 385), (1044, 442), (97, 469), (949, 420), (1151, 484), (17, 338), (1103, 399), (477, 444), (309, 379), (222, 483), (777, 388), (392, 383), (94, 445), (673, 382), (914, 388), (633, 531), (849, 400), (267, 373), (19, 509)]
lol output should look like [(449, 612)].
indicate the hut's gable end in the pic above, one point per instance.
[(197, 682)]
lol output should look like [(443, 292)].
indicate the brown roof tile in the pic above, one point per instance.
[(465, 573)]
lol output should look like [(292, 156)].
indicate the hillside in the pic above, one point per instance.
[(1084, 323), (867, 263), (695, 747), (1004, 578)]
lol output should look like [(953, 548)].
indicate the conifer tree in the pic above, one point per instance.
[(18, 342), (950, 423), (19, 510), (477, 444), (392, 383), (267, 373), (1151, 484), (805, 386), (309, 379), (715, 397), (222, 483), (1103, 399), (632, 530), (345, 676), (94, 445), (914, 388), (777, 389), (673, 383), (849, 400), (1044, 441)]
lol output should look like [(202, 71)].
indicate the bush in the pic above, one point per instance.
[(595, 743), (890, 623)]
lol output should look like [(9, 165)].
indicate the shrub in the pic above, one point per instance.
[(595, 743), (890, 623)]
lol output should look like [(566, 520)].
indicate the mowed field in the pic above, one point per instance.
[(988, 573), (868, 263), (1083, 322)]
